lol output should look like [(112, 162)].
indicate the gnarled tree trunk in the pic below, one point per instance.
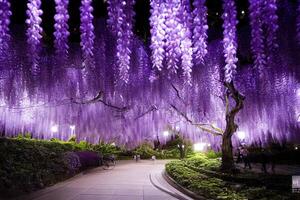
[(231, 126)]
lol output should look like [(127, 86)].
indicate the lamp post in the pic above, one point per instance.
[(166, 134), (181, 150), (72, 128), (54, 128)]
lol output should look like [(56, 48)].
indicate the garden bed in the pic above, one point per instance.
[(27, 164), (200, 175)]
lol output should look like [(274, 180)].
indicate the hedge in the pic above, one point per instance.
[(27, 164)]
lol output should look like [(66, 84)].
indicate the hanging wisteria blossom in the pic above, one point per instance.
[(87, 29), (34, 30), (5, 14), (200, 28), (61, 33), (173, 38), (158, 27), (229, 40), (186, 43), (112, 16), (124, 37), (271, 23), (257, 33)]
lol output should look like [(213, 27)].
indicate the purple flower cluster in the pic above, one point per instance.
[(229, 39), (61, 33), (257, 33), (264, 25), (5, 14), (174, 30), (157, 22), (186, 43), (171, 36), (34, 20), (112, 15), (124, 33), (87, 29), (34, 31), (271, 23), (200, 28)]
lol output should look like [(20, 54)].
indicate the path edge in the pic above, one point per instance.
[(177, 186)]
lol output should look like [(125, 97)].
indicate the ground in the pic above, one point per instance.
[(127, 181)]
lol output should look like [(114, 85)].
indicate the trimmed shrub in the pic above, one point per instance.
[(29, 164)]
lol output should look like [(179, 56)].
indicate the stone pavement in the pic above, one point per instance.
[(127, 181)]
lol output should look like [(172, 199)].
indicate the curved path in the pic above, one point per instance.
[(127, 181)]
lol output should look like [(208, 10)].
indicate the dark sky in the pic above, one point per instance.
[(141, 20)]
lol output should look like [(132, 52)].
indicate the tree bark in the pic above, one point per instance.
[(231, 126)]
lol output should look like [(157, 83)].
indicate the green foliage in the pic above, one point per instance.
[(107, 149), (176, 140), (28, 164), (146, 151), (212, 154), (201, 160), (191, 173), (211, 188)]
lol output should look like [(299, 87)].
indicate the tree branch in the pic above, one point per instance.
[(152, 108), (99, 98), (203, 126)]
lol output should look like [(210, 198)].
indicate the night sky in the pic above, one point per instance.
[(142, 9)]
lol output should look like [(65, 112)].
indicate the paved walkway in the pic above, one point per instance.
[(127, 181)]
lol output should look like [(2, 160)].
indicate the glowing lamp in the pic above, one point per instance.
[(298, 92), (241, 135), (72, 127), (54, 129), (166, 133), (199, 146)]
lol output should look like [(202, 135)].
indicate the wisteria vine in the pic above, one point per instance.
[(5, 14), (157, 23), (173, 37), (112, 15), (229, 39), (200, 28), (124, 31), (257, 34), (271, 23), (186, 43), (87, 29), (61, 26), (34, 30)]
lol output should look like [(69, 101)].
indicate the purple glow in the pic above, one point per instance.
[(229, 40), (90, 104), (87, 29), (124, 38), (61, 26), (157, 22), (257, 37), (5, 14), (271, 23), (186, 44), (199, 31), (174, 30), (34, 31)]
